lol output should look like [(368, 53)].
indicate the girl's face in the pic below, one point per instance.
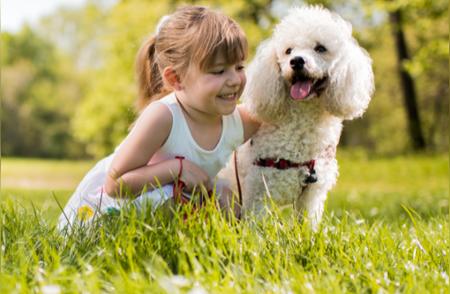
[(216, 90)]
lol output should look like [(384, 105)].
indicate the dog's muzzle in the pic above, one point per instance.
[(303, 85)]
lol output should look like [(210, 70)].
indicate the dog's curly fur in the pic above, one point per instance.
[(314, 46)]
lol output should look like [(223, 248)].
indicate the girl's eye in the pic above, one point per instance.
[(240, 67), (288, 51), (320, 48), (218, 72)]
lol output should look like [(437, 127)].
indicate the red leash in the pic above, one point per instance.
[(179, 185), (238, 182)]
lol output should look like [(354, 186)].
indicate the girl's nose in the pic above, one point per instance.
[(234, 78)]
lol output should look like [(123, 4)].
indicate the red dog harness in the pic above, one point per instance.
[(283, 164)]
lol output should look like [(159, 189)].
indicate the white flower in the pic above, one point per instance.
[(445, 277), (180, 281), (50, 289), (197, 290), (386, 278), (359, 221), (417, 242)]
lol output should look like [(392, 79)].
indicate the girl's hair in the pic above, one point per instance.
[(191, 35)]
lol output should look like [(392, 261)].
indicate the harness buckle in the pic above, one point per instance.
[(312, 178)]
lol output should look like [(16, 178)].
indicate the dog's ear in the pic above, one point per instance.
[(351, 82), (265, 84)]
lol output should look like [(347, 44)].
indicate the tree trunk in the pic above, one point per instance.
[(408, 87)]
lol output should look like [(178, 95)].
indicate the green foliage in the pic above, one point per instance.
[(77, 32), (426, 27), (105, 114), (37, 98)]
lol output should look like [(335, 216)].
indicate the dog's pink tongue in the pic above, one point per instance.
[(301, 89)]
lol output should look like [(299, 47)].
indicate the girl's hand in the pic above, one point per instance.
[(194, 176)]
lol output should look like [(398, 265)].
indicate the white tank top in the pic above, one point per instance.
[(181, 143)]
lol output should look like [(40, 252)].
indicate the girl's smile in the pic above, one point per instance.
[(229, 97)]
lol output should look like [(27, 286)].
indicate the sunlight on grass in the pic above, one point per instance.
[(42, 173), (41, 199)]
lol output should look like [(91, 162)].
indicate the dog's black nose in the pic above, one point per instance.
[(297, 63)]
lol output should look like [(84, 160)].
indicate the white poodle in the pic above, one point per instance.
[(303, 82)]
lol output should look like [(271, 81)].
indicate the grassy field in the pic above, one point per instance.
[(33, 182), (386, 229)]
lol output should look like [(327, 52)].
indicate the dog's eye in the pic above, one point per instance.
[(288, 51), (320, 49)]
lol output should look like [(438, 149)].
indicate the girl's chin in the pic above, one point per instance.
[(227, 107)]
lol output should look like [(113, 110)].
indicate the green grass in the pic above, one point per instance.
[(33, 182), (42, 174), (385, 229)]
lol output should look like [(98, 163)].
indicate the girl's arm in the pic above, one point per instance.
[(251, 124), (129, 167)]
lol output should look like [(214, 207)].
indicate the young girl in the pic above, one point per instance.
[(194, 63)]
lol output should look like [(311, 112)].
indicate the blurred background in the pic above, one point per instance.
[(68, 83)]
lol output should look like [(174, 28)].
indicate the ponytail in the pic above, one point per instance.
[(150, 82)]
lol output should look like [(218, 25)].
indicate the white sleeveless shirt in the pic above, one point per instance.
[(89, 196), (181, 143)]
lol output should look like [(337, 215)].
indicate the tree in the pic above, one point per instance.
[(408, 84), (422, 26), (37, 95)]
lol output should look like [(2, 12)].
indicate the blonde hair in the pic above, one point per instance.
[(191, 35)]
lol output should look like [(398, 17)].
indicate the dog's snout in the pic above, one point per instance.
[(297, 63)]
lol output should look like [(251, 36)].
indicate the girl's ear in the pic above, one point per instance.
[(172, 78)]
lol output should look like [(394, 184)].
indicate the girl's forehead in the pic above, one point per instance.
[(212, 61), (220, 58)]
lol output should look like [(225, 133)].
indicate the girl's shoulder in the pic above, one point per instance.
[(160, 107), (169, 100), (157, 115)]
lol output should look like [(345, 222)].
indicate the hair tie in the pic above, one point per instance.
[(161, 23)]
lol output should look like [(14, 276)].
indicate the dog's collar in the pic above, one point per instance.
[(281, 163)]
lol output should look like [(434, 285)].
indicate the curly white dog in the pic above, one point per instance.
[(303, 82)]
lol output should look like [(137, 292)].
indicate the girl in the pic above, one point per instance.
[(195, 64)]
